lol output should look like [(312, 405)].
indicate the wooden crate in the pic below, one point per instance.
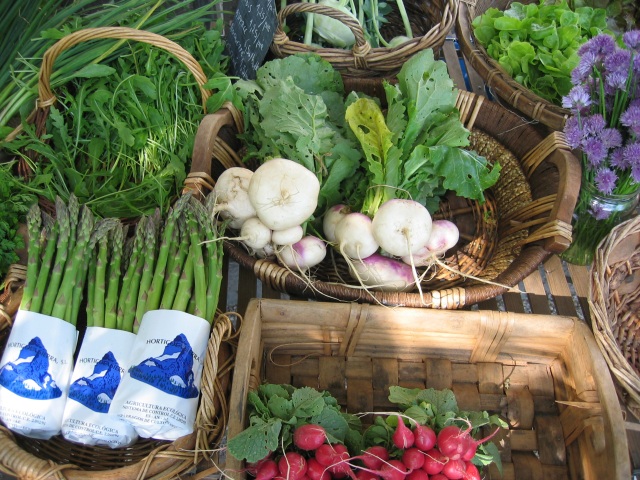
[(544, 374)]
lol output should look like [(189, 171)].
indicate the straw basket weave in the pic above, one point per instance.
[(57, 458), (543, 374), (525, 219), (430, 22), (614, 301), (495, 77)]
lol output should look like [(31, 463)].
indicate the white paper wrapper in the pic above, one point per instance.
[(102, 362), (159, 394), (34, 374)]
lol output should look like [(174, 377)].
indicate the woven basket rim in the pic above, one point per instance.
[(363, 60), (604, 313), (500, 82)]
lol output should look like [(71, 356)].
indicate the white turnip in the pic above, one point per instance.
[(401, 227), (231, 196), (303, 255), (283, 193), (383, 273), (288, 236), (444, 235), (331, 219), (254, 233), (354, 236)]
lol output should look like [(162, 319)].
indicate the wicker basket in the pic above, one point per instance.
[(543, 374), (614, 302), (430, 22), (496, 78), (525, 219), (28, 458)]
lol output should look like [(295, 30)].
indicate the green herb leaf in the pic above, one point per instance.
[(257, 441), (94, 70)]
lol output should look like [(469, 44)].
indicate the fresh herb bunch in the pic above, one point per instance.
[(537, 44), (15, 206), (605, 103)]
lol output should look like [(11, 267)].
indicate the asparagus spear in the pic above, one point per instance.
[(76, 261), (99, 288), (199, 276), (62, 253), (180, 254), (115, 272), (151, 234), (185, 284), (214, 255), (91, 281), (45, 266), (34, 221), (132, 262)]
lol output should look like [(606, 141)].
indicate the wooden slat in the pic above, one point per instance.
[(559, 287)]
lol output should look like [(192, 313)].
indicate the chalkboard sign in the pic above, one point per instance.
[(250, 35)]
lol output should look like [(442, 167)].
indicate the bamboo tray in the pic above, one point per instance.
[(544, 374)]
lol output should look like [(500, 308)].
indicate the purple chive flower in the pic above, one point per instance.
[(635, 173), (631, 154), (594, 124), (617, 81), (595, 151), (617, 160), (573, 132), (584, 68), (618, 61), (606, 180), (600, 45), (611, 138), (577, 99), (632, 39), (631, 118)]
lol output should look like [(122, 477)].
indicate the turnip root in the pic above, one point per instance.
[(232, 199), (384, 273), (331, 219), (354, 236), (401, 227), (302, 255), (254, 233), (444, 235), (288, 236), (283, 193)]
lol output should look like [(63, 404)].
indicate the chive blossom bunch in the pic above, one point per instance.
[(605, 107)]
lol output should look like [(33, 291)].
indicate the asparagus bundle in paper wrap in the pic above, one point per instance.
[(106, 346), (37, 361), (178, 288)]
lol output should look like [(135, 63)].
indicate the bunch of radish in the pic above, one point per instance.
[(418, 453), (384, 250), (269, 207)]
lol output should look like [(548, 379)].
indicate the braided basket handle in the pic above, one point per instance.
[(360, 49), (46, 96)]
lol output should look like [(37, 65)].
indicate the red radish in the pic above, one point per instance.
[(393, 470), (365, 475), (452, 441), (472, 445), (292, 466), (403, 436), (253, 467), (425, 437), (413, 458), (471, 472), (267, 470), (438, 476), (434, 461), (454, 469), (317, 471), (335, 458), (418, 475), (373, 457), (325, 454), (309, 436)]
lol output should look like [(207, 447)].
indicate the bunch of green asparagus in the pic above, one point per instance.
[(173, 264), (57, 258)]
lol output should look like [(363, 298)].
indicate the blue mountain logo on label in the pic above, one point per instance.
[(28, 374), (96, 391), (171, 372)]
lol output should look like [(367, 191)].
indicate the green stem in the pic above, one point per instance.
[(147, 271), (34, 221), (45, 268), (62, 254), (100, 282), (183, 294), (405, 18)]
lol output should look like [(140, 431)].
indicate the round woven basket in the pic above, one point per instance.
[(28, 458), (431, 22), (614, 303), (525, 219), (495, 77), (57, 458)]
